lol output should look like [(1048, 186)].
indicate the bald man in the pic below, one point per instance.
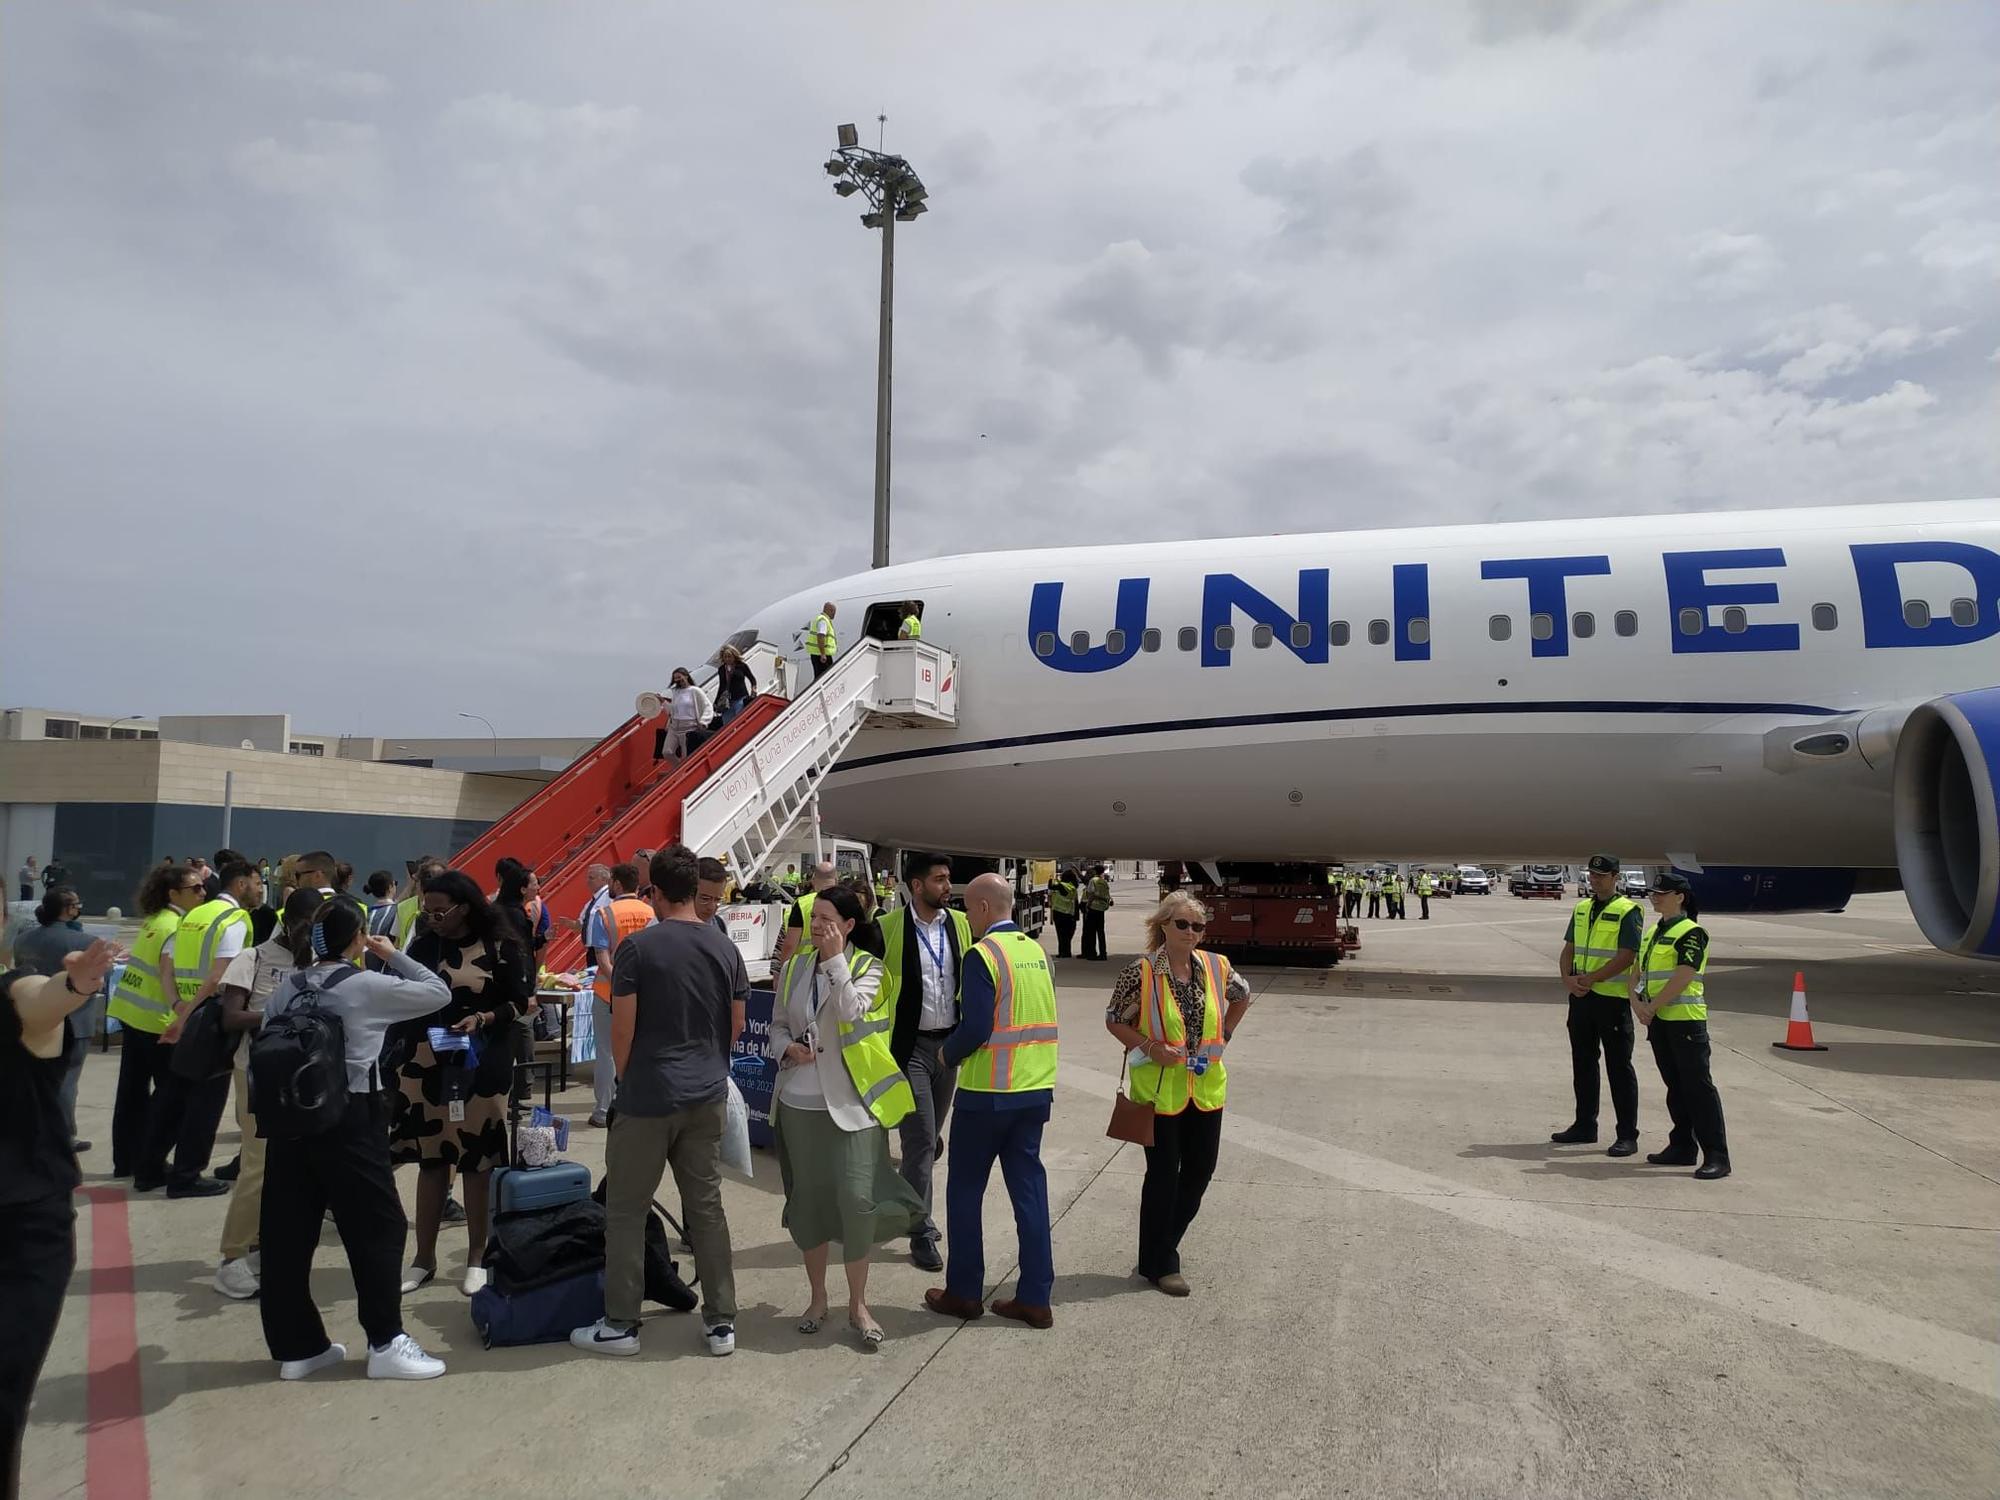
[(1004, 1048), (821, 645), (798, 922)]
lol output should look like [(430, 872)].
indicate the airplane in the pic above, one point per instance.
[(1795, 703)]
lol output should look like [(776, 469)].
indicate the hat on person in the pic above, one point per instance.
[(1604, 864), (1667, 880)]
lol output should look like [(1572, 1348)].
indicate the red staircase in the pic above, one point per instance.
[(610, 802)]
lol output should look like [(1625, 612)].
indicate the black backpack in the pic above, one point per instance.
[(298, 1064)]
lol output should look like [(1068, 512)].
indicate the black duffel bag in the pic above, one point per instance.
[(204, 1050)]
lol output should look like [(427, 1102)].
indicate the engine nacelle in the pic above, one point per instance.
[(1947, 829), (1746, 888)]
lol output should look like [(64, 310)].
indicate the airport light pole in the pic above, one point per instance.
[(895, 194), (489, 728)]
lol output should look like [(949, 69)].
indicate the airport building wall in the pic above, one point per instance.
[(109, 809)]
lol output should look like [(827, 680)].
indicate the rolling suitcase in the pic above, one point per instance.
[(517, 1187)]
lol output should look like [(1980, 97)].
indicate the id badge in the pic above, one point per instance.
[(456, 1110)]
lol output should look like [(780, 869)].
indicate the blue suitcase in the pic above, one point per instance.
[(540, 1315), (518, 1187)]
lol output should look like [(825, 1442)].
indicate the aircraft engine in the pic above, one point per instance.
[(1947, 827)]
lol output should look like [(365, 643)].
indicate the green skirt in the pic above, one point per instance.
[(839, 1185)]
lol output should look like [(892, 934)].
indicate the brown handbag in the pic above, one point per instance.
[(1130, 1119)]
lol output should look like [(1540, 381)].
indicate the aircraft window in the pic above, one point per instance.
[(1542, 626), (1583, 625), (1625, 622), (1225, 637), (1261, 636), (1340, 633), (1190, 638), (1114, 642), (1736, 619), (1378, 632), (1045, 643), (1150, 641), (1079, 642), (1501, 627), (1420, 632), (1965, 612), (1825, 617), (1302, 634), (1691, 621), (1916, 614)]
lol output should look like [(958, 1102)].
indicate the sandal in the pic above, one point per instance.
[(811, 1322), (871, 1338), (415, 1276)]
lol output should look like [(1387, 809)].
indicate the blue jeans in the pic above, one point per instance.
[(1012, 1137)]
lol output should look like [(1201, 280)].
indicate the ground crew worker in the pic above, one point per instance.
[(912, 628), (798, 922), (1396, 896), (1062, 907), (885, 893), (1669, 995), (789, 881), (1353, 893), (821, 645), (1005, 1050), (1600, 943), (1374, 894), (1096, 902), (1424, 893), (140, 1005)]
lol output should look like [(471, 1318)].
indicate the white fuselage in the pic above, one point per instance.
[(1401, 724)]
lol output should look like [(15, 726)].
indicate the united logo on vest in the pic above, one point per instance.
[(1168, 1087), (1020, 1056), (864, 1044), (1660, 958), (1596, 943)]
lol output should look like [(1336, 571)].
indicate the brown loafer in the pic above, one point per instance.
[(943, 1303), (1173, 1284), (1021, 1312)]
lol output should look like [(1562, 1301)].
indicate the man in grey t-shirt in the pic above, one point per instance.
[(678, 991)]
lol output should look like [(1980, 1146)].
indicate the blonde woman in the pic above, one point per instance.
[(1174, 1010)]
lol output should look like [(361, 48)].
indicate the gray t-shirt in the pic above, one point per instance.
[(685, 976)]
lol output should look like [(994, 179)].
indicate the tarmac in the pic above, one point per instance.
[(1401, 1287)]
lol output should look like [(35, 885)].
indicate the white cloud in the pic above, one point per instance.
[(1731, 265), (337, 160)]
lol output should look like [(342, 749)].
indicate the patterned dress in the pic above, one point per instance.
[(482, 978)]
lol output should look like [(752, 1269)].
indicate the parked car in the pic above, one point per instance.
[(1473, 882)]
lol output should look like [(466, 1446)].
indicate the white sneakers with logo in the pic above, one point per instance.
[(601, 1338), (236, 1280), (403, 1358)]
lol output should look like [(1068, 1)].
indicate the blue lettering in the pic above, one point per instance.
[(1548, 591), (1044, 616), (1688, 588), (1412, 592), (1223, 593), (1875, 565)]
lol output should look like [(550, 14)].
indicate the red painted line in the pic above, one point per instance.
[(116, 1466)]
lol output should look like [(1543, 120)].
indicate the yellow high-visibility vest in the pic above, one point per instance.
[(141, 1000), (820, 639), (1658, 960), (195, 942), (1020, 1056), (1168, 1087), (864, 1044), (913, 628), (1596, 943)]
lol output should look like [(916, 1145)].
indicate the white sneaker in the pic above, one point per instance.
[(475, 1278), (256, 1259), (601, 1338), (236, 1279), (298, 1369), (722, 1339), (403, 1359), (417, 1276)]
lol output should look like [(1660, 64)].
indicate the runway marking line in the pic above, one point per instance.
[(116, 1463)]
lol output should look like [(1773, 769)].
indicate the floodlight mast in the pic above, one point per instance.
[(894, 193)]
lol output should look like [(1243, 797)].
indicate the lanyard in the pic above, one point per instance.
[(939, 956)]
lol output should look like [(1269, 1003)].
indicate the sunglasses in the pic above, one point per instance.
[(1182, 924)]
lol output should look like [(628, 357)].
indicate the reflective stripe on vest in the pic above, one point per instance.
[(1020, 1056), (623, 916), (1062, 898), (406, 919), (1660, 958), (823, 641), (197, 938), (864, 1044), (1596, 943), (1168, 1087), (913, 629), (140, 1001)]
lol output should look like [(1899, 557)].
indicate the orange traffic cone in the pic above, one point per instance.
[(1798, 1030)]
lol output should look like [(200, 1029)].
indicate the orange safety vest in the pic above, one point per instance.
[(623, 917)]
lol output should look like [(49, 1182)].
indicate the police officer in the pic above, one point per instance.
[(1600, 945), (1374, 894), (1669, 995), (1424, 893)]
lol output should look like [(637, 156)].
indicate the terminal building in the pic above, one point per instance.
[(109, 796)]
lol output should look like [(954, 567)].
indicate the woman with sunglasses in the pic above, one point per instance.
[(142, 1008), (1174, 1011)]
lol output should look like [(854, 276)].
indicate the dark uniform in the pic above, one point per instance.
[(1602, 1020), (1678, 1035)]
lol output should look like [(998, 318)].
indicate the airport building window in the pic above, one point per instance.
[(1114, 642), (307, 747), (1079, 641), (1916, 614), (127, 734), (1825, 617), (1965, 612), (93, 731), (1542, 626), (1302, 634), (1736, 619), (1420, 632), (1583, 625), (1378, 632), (1225, 637), (1045, 643), (1501, 627), (1340, 632), (58, 729), (1625, 622), (1691, 621), (1149, 641), (1189, 638)]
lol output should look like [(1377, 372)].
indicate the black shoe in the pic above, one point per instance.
[(1670, 1158), (454, 1213), (1708, 1171), (147, 1184), (924, 1255), (1625, 1145), (201, 1187), (228, 1170), (1576, 1135)]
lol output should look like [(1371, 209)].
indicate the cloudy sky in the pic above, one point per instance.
[(375, 361)]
